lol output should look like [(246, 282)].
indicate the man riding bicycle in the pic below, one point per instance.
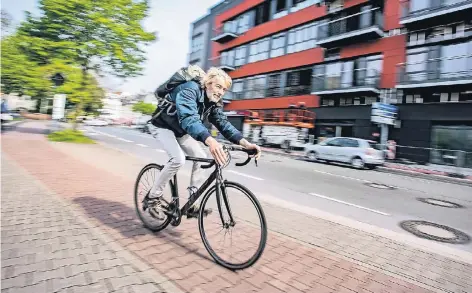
[(179, 128)]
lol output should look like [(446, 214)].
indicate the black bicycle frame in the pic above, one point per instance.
[(215, 175)]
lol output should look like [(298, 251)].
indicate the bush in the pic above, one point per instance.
[(69, 135), (144, 108)]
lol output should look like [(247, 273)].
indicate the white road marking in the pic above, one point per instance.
[(245, 175), (125, 140), (342, 176), (103, 133), (141, 145), (349, 204), (160, 151)]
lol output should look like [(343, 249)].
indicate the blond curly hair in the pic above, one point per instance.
[(214, 72)]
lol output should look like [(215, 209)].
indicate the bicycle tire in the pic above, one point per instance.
[(252, 260), (137, 203)]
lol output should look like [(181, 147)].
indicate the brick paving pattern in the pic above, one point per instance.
[(46, 248), (105, 196)]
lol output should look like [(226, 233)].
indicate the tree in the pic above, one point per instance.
[(7, 22), (24, 74), (103, 36), (144, 108)]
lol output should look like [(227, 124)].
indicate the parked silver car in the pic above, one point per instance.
[(360, 153)]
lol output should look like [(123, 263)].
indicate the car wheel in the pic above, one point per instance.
[(313, 156), (357, 163), (371, 167)]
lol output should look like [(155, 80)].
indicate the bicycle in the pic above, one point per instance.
[(174, 213)]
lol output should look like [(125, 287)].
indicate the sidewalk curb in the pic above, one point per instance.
[(146, 271), (440, 178)]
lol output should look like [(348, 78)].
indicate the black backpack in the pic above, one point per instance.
[(183, 75)]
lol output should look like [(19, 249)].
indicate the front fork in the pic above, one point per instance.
[(221, 193)]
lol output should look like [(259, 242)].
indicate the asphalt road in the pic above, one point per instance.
[(335, 189)]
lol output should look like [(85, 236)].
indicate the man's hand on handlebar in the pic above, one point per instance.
[(250, 146), (216, 150)]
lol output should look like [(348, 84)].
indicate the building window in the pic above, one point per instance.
[(278, 45), (302, 38), (237, 89), (259, 50), (456, 62), (197, 43), (346, 101), (243, 23), (227, 58), (416, 64), (301, 4), (274, 88), (327, 102), (240, 56), (262, 13), (298, 82), (255, 87), (280, 8)]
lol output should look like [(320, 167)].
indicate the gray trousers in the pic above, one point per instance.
[(177, 148)]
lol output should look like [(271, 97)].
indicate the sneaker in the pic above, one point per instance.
[(154, 204)]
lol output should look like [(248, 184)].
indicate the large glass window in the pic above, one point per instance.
[(456, 60), (227, 58), (416, 64), (243, 22), (274, 85), (298, 82), (255, 87), (262, 13), (240, 56), (197, 43), (333, 76), (302, 38), (237, 89), (417, 5), (278, 45), (259, 50)]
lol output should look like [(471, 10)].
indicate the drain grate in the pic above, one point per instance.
[(380, 186), (440, 203), (433, 231)]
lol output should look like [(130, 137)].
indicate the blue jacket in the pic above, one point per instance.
[(192, 109)]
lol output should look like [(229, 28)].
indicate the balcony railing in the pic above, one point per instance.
[(421, 10), (444, 71), (222, 62), (225, 32), (347, 82), (361, 26)]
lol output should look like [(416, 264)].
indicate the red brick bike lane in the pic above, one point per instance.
[(177, 252)]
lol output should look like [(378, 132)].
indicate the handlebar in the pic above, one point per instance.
[(235, 148)]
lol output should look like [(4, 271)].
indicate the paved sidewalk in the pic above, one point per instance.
[(47, 247), (305, 253)]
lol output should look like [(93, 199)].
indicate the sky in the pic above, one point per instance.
[(171, 19)]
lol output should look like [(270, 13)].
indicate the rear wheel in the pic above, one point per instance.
[(246, 234), (143, 185)]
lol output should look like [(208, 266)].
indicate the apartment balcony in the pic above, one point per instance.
[(445, 72), (225, 33), (359, 82), (222, 62), (426, 13), (356, 28)]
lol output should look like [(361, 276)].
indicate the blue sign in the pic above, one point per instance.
[(384, 113)]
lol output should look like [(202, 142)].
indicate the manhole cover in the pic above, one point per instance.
[(379, 185), (435, 232), (440, 202)]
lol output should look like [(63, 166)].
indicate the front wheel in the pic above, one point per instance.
[(237, 220)]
